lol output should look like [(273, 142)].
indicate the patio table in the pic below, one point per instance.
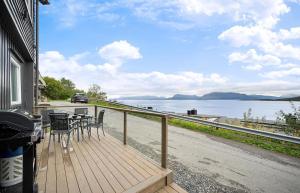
[(83, 121)]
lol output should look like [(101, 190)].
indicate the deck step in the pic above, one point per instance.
[(172, 188), (152, 184)]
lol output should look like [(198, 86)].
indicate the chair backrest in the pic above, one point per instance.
[(84, 111), (59, 121), (45, 116), (100, 117)]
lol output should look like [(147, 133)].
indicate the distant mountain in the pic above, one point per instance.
[(209, 96), (235, 96), (184, 97), (289, 96), (142, 98), (291, 99)]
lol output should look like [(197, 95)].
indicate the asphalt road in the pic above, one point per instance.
[(237, 167)]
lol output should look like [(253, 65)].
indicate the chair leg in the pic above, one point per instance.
[(68, 140), (49, 140), (103, 130), (98, 132), (59, 138)]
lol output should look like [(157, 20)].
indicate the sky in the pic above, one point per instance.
[(166, 47)]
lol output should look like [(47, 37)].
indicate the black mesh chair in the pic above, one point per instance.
[(60, 124), (81, 111), (85, 118), (97, 123), (46, 120)]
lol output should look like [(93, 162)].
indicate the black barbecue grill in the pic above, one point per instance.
[(19, 134)]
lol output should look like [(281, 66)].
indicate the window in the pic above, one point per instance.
[(15, 82)]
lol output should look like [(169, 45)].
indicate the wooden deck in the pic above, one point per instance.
[(93, 165)]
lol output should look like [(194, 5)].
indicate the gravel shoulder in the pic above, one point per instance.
[(203, 163)]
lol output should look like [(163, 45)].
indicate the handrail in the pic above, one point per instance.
[(164, 125), (267, 134)]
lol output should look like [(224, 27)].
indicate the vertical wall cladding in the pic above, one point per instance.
[(11, 43), (24, 24), (5, 69)]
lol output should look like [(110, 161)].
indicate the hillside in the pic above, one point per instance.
[(209, 96)]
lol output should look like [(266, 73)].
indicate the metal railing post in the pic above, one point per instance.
[(96, 112), (164, 142), (125, 128)]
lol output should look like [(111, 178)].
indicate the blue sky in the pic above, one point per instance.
[(139, 47)]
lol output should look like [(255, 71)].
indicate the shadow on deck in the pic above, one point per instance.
[(104, 165)]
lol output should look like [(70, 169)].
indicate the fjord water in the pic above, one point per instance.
[(228, 108)]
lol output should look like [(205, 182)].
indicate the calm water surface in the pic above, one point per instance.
[(228, 108)]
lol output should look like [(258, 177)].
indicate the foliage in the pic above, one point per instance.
[(59, 89), (247, 117), (53, 88), (96, 93), (291, 119)]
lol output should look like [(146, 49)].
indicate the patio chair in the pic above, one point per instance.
[(60, 124), (45, 120), (85, 121), (81, 111), (98, 122)]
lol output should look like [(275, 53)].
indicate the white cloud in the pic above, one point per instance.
[(295, 71), (181, 14), (268, 87), (293, 33), (253, 60), (119, 51), (117, 83), (53, 63), (264, 13)]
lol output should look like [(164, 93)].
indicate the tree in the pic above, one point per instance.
[(291, 119), (68, 88), (53, 88), (59, 89), (96, 93)]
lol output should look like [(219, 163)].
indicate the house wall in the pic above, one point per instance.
[(14, 43)]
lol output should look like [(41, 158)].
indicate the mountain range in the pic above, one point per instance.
[(211, 96)]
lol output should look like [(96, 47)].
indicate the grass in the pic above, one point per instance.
[(274, 145)]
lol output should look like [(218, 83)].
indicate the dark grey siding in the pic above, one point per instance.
[(11, 43), (23, 25)]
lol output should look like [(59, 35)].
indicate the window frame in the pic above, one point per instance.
[(15, 62)]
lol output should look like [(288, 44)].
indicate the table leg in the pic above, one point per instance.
[(77, 132)]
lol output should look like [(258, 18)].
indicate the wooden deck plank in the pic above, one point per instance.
[(128, 160), (105, 171), (61, 182), (121, 150), (51, 171), (80, 176), (121, 179), (132, 180), (94, 165), (103, 182), (43, 166), (177, 188), (134, 156), (91, 179), (172, 188), (169, 189), (127, 166), (139, 172), (141, 157), (70, 174)]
